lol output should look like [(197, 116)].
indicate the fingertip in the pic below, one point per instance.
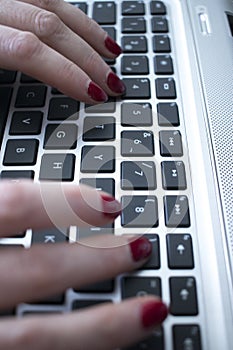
[(153, 313), (112, 46)]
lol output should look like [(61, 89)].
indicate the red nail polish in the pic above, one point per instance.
[(112, 46), (141, 248), (111, 207), (96, 93), (115, 84), (153, 313)]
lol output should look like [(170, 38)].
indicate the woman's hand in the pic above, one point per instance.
[(32, 274), (58, 44)]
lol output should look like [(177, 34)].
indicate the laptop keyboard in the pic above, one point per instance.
[(132, 147)]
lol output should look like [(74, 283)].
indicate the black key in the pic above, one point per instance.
[(10, 246), (21, 152), (163, 64), (104, 12), (134, 65), (5, 98), (7, 313), (161, 43), (136, 88), (168, 114), (183, 296), (134, 43), (133, 25), (98, 287), (132, 8), (170, 143), (81, 304), (136, 114), (159, 24), (165, 88), (63, 108), (137, 143), (107, 107), (100, 184), (99, 128), (139, 211), (16, 175), (26, 79), (49, 236), (7, 76), (157, 8), (26, 123), (138, 176), (154, 260), (55, 91), (83, 232), (186, 337), (111, 31), (98, 159), (180, 251), (57, 167), (53, 300), (61, 136), (140, 286), (155, 341), (31, 96), (173, 175), (81, 5), (176, 211)]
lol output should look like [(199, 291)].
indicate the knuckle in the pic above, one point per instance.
[(23, 45), (24, 336), (92, 60), (47, 24), (49, 4)]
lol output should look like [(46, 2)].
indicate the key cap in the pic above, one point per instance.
[(155, 341), (81, 5), (5, 98), (180, 251), (26, 79), (165, 88), (104, 12), (139, 211), (140, 286), (63, 108), (31, 96), (186, 337), (134, 44), (99, 128), (138, 176), (161, 43), (136, 88), (134, 65), (132, 8), (133, 25), (159, 24), (21, 152), (168, 114), (173, 175), (26, 123), (136, 114), (163, 64), (170, 143), (100, 184), (98, 159), (98, 287), (154, 260), (183, 296), (157, 8), (57, 167), (49, 236), (137, 143), (107, 107), (7, 76), (83, 232), (61, 136), (16, 175), (176, 211), (81, 304)]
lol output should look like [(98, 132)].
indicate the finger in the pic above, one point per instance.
[(51, 30), (103, 327), (43, 271), (82, 25), (25, 52), (46, 204)]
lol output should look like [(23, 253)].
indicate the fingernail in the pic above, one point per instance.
[(111, 207), (96, 93), (141, 248), (115, 83), (153, 313), (112, 46)]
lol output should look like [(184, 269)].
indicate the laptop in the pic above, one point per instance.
[(164, 149)]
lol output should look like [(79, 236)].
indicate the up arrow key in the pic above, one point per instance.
[(27, 121)]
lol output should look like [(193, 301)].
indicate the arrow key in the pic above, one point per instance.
[(183, 296), (180, 251), (26, 123)]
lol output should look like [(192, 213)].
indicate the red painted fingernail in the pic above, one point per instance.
[(112, 46), (141, 248), (153, 313), (111, 207), (96, 93), (115, 83)]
